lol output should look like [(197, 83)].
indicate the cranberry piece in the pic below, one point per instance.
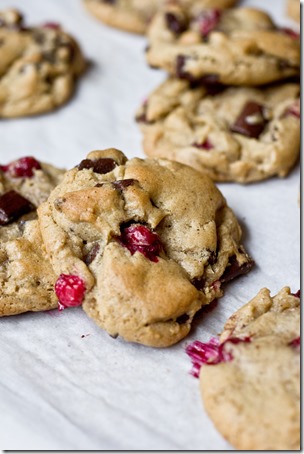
[(140, 238), (251, 121), (51, 25), (208, 21), (234, 269), (23, 167), (102, 165), (70, 291), (296, 343), (211, 352), (293, 110), (289, 32), (206, 145), (12, 206), (297, 294), (176, 24)]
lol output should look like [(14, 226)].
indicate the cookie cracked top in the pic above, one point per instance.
[(252, 393), (239, 46), (135, 15), (143, 244), (240, 134), (38, 66)]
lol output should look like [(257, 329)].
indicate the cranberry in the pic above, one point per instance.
[(211, 352), (51, 25), (289, 32), (140, 238), (297, 294), (69, 290), (208, 20), (295, 342), (23, 167), (206, 145), (294, 110)]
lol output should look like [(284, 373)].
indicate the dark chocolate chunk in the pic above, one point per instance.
[(180, 65), (182, 319), (120, 185), (90, 256), (251, 121), (102, 165), (12, 206), (234, 269), (176, 24), (199, 283)]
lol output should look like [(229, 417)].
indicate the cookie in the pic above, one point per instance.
[(26, 276), (250, 379), (135, 15), (38, 66), (24, 184), (141, 244), (240, 134), (294, 9), (237, 46)]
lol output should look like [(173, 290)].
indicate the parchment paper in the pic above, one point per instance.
[(64, 383)]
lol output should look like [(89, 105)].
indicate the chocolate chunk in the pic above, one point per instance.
[(176, 24), (199, 283), (180, 72), (12, 206), (102, 166), (297, 294), (120, 185), (251, 122), (234, 269), (212, 84), (90, 256)]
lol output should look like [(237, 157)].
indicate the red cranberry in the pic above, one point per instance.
[(51, 25), (140, 238), (23, 167), (206, 145), (208, 20), (289, 32), (294, 110), (70, 291), (295, 343), (210, 353)]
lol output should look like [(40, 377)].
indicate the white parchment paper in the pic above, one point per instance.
[(64, 383)]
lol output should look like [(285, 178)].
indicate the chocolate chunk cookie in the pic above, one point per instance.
[(141, 244), (38, 66), (26, 276), (237, 134), (250, 378), (237, 46), (135, 15)]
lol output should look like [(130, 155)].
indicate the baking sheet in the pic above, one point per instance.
[(64, 383)]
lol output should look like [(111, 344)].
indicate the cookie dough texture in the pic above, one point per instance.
[(26, 277), (177, 119), (152, 303), (135, 15), (38, 66), (241, 46), (254, 400), (294, 9)]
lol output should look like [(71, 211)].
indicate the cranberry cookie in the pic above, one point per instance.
[(135, 15), (250, 378), (237, 134), (238, 46), (143, 244), (38, 66), (26, 277)]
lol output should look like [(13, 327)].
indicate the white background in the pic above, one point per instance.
[(62, 391)]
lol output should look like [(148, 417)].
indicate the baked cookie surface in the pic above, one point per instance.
[(239, 46), (252, 390), (294, 10), (143, 244), (26, 277), (237, 134), (135, 15), (38, 66)]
